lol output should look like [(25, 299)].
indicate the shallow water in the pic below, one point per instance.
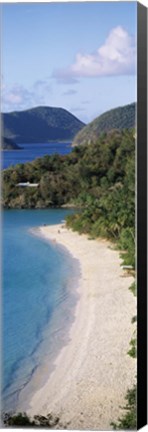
[(39, 281)]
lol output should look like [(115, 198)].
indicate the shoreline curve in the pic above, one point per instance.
[(93, 371)]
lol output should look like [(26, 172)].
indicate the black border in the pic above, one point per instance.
[(142, 216)]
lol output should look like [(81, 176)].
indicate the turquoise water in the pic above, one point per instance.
[(39, 281)]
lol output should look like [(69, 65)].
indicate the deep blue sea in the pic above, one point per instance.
[(30, 152), (39, 281)]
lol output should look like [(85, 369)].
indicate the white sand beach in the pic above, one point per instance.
[(93, 371)]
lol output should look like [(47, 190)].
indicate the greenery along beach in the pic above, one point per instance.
[(97, 179)]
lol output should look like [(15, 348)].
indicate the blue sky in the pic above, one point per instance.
[(79, 56)]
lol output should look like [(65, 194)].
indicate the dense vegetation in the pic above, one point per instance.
[(99, 178), (128, 421), (41, 125), (22, 420), (8, 144), (118, 118)]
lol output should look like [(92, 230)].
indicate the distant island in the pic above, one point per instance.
[(118, 118), (88, 171), (41, 125), (8, 144)]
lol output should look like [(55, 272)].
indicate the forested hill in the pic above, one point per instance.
[(99, 178), (41, 125), (8, 144), (118, 118)]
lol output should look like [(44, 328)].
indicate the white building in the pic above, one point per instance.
[(27, 184)]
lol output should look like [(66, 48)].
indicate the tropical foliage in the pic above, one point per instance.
[(98, 178), (128, 421), (23, 420), (117, 118)]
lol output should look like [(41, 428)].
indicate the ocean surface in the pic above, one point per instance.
[(30, 152), (39, 295)]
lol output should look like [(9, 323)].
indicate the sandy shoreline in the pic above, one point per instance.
[(93, 371)]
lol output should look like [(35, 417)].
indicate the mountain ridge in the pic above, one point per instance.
[(41, 125), (8, 144), (119, 118)]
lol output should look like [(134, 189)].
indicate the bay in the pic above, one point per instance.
[(39, 281), (29, 152)]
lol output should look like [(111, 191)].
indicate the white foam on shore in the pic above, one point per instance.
[(93, 371)]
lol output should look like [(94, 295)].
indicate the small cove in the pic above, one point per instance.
[(39, 292)]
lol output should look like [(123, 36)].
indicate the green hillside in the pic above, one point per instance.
[(41, 125), (99, 179), (118, 118), (83, 177)]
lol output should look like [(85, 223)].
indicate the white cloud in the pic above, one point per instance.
[(18, 97), (15, 97), (116, 57)]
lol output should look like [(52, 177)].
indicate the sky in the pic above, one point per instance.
[(78, 56)]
